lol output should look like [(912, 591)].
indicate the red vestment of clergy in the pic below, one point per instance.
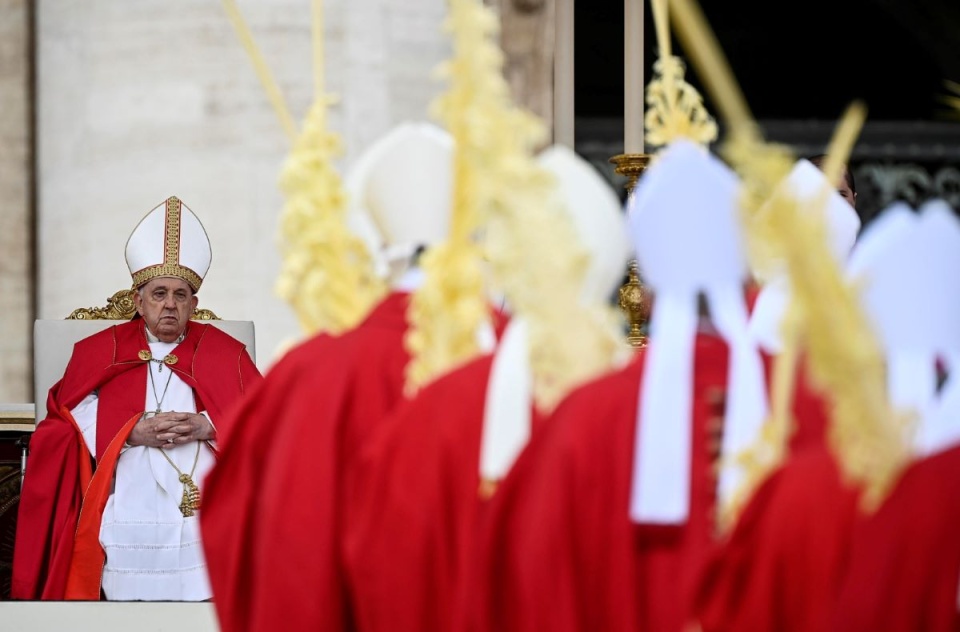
[(413, 535), (782, 565), (904, 569), (57, 480), (274, 532), (272, 528), (558, 550)]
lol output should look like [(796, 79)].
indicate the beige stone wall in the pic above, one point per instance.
[(141, 100), (528, 38), (16, 274)]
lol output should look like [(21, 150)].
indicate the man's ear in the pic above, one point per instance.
[(193, 303), (138, 301)]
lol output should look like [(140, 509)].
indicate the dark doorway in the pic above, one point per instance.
[(799, 65)]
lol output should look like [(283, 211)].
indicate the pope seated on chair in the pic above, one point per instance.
[(110, 500)]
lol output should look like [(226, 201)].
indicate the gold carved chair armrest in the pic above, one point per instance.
[(120, 307)]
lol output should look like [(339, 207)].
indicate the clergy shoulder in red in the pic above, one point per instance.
[(413, 529), (416, 491), (781, 566), (559, 550), (111, 362), (904, 570), (272, 527)]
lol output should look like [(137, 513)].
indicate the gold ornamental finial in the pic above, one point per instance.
[(634, 302), (632, 166), (635, 305)]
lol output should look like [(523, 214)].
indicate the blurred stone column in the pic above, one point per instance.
[(16, 217), (528, 38)]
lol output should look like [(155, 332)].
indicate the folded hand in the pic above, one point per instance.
[(168, 430)]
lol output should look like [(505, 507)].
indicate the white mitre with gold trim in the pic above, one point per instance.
[(409, 184), (169, 242)]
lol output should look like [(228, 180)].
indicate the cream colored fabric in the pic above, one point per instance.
[(597, 216), (106, 616), (53, 342), (405, 183)]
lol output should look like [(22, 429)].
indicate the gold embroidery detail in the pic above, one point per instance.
[(172, 255), (204, 314), (170, 359), (145, 355), (165, 269)]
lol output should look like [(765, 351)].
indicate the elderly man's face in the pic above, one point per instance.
[(165, 303)]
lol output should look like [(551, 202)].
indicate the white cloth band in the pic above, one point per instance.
[(660, 489), (506, 411), (939, 429), (911, 380), (746, 398)]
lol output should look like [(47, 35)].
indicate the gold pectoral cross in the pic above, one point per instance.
[(191, 496)]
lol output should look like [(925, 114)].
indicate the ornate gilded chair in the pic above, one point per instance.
[(53, 343)]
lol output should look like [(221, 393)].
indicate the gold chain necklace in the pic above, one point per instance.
[(153, 387), (190, 501)]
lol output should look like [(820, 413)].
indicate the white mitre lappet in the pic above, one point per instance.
[(401, 194), (902, 268), (596, 215), (683, 220), (807, 184), (169, 242)]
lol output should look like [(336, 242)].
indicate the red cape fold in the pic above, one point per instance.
[(280, 495), (558, 550), (272, 525), (86, 564), (781, 567), (413, 533), (904, 568), (211, 362)]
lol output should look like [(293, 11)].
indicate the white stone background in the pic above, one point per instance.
[(16, 271), (137, 101)]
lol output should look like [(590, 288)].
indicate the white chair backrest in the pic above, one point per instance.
[(53, 342)]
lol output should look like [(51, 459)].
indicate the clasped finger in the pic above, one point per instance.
[(166, 425)]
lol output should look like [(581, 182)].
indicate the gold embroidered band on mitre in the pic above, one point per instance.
[(181, 272), (171, 253)]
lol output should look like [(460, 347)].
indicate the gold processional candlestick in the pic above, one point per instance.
[(634, 299)]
